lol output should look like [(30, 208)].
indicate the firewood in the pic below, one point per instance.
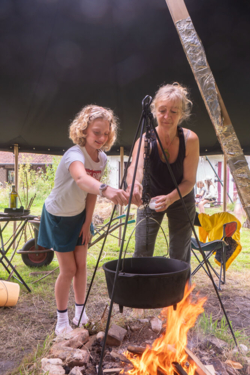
[(120, 357), (201, 369), (112, 370), (178, 369), (136, 349)]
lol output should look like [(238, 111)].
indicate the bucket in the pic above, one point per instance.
[(9, 293)]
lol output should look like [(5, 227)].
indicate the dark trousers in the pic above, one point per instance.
[(180, 231)]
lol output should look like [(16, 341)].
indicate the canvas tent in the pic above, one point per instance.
[(56, 56)]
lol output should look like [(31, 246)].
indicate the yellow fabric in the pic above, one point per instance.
[(212, 229)]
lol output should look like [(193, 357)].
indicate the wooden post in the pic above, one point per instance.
[(16, 152), (225, 185), (213, 101), (121, 177)]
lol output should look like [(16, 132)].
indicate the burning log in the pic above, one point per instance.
[(179, 369), (167, 354)]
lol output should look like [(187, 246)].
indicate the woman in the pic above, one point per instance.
[(170, 107), (67, 212), (210, 196)]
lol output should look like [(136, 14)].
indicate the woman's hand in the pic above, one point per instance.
[(117, 196), (85, 232), (162, 202), (137, 194)]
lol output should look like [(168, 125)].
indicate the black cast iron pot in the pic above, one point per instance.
[(148, 283)]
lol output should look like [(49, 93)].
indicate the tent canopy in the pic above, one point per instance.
[(56, 56)]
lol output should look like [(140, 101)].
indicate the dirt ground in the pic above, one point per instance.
[(27, 324)]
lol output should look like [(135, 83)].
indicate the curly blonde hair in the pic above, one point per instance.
[(84, 118), (172, 92)]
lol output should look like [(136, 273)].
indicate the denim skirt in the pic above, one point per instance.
[(61, 233)]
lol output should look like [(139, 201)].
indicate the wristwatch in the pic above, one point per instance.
[(102, 188)]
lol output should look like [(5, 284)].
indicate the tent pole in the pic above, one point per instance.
[(225, 185), (121, 178), (213, 101)]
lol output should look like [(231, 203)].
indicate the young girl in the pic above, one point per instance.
[(201, 191), (67, 212)]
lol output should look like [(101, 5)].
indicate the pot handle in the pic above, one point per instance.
[(124, 274)]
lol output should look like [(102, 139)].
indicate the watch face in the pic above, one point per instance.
[(102, 186)]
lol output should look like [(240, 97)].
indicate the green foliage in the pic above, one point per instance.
[(31, 183), (231, 206)]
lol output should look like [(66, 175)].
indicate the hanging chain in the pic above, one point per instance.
[(146, 193)]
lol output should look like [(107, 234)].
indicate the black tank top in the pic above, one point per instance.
[(161, 180)]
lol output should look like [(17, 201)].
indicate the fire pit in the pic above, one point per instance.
[(148, 283)]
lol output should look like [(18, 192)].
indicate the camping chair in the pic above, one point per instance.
[(220, 247), (100, 231)]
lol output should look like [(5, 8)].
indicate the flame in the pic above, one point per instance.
[(170, 346)]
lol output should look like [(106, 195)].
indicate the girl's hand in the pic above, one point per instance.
[(117, 196), (162, 202), (86, 235)]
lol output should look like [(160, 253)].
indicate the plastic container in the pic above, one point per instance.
[(9, 293), (152, 203)]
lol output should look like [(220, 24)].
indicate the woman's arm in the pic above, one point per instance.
[(91, 185), (189, 174), (137, 193)]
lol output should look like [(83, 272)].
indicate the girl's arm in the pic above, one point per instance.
[(90, 206), (91, 185)]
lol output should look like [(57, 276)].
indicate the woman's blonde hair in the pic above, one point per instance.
[(85, 117), (172, 92)]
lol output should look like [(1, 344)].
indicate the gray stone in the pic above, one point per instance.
[(52, 366), (59, 351), (75, 371), (243, 348), (116, 335), (143, 321), (100, 335), (156, 324), (77, 357)]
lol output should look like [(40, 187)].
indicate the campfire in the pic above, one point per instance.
[(167, 355)]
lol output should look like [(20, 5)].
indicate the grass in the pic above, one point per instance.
[(218, 328), (44, 290)]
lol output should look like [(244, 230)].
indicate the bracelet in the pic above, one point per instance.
[(136, 183)]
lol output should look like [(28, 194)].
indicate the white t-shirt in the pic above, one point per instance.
[(66, 198), (211, 193)]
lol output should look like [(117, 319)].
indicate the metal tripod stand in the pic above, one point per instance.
[(145, 123)]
